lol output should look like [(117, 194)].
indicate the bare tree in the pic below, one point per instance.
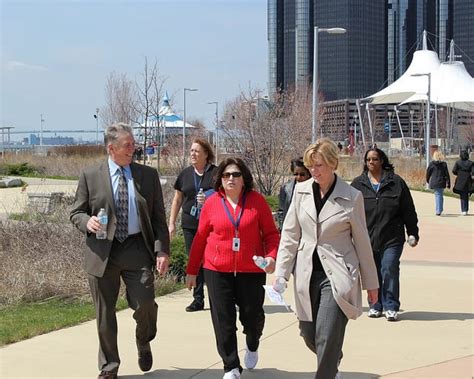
[(119, 100), (267, 134)]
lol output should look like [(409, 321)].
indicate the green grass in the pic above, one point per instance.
[(23, 321)]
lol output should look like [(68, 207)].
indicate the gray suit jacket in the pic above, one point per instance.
[(94, 191), (340, 233)]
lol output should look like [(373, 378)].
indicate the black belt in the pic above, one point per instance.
[(129, 237)]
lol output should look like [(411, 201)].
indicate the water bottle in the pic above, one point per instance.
[(201, 197), (412, 241), (280, 285), (103, 220), (260, 261)]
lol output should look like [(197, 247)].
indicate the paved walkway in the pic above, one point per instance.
[(433, 339)]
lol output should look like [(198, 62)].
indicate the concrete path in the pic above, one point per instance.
[(433, 339)]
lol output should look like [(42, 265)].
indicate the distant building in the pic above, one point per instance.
[(51, 141)]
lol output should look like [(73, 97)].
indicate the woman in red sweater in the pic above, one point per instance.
[(235, 224)]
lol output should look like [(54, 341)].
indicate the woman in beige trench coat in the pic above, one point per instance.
[(325, 245)]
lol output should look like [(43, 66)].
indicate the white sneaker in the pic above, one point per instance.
[(232, 374), (391, 315), (251, 358), (374, 313), (464, 213)]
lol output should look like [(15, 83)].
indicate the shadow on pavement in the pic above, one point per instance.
[(435, 316), (265, 373), (270, 309)]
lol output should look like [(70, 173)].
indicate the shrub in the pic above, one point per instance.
[(17, 169), (273, 202), (179, 258)]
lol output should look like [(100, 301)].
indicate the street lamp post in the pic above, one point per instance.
[(317, 30), (428, 102), (41, 129), (216, 103), (389, 133), (412, 112), (96, 116), (184, 123)]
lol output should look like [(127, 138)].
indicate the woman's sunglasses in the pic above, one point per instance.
[(227, 175)]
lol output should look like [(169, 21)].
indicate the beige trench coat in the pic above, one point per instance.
[(340, 233)]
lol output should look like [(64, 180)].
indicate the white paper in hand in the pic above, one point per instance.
[(275, 297)]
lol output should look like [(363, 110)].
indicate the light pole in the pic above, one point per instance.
[(216, 103), (96, 116), (41, 129), (389, 133), (184, 123), (428, 102), (412, 112), (317, 30)]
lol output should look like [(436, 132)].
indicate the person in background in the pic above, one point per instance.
[(389, 210), (464, 171), (200, 174), (325, 244), (137, 241), (437, 177), (300, 173), (235, 224)]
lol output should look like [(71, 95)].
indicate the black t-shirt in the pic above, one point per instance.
[(319, 202), (189, 182)]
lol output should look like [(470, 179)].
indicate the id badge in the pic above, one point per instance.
[(235, 244), (193, 211)]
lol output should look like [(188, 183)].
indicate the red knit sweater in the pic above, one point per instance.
[(212, 245)]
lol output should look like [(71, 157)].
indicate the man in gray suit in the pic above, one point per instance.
[(137, 241)]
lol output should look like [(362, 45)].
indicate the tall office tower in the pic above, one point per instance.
[(463, 32), (404, 30), (351, 65)]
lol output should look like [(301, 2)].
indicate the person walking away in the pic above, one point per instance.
[(300, 173), (236, 224), (437, 177), (463, 186), (325, 245), (389, 210), (200, 174), (137, 240)]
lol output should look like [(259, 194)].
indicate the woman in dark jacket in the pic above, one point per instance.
[(437, 177), (300, 173), (464, 171), (389, 210)]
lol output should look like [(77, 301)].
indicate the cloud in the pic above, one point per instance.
[(21, 66)]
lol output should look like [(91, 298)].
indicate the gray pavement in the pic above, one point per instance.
[(433, 339)]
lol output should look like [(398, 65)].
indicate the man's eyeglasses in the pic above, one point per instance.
[(302, 174), (372, 159), (227, 175)]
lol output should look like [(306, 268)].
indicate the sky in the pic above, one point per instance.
[(57, 54)]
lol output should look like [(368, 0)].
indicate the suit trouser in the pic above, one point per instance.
[(225, 291), (198, 291), (324, 336), (130, 261)]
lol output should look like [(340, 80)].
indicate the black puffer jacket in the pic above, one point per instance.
[(464, 171), (437, 175), (389, 211)]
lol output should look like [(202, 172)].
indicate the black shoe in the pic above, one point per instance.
[(195, 306), (145, 357)]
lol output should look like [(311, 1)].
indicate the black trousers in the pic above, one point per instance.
[(225, 292), (130, 261), (198, 291), (324, 336)]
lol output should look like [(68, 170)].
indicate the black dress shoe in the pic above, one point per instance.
[(145, 357), (195, 306), (107, 375)]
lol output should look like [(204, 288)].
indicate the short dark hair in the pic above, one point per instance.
[(464, 155), (246, 174), (298, 162), (386, 165), (207, 148)]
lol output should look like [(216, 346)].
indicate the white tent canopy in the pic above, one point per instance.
[(451, 85)]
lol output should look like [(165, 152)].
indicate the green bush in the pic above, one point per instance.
[(17, 169), (179, 258), (273, 202)]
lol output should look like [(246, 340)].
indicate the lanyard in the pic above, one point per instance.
[(236, 223), (196, 184)]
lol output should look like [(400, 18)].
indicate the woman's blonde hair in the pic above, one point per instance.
[(438, 156), (326, 148)]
